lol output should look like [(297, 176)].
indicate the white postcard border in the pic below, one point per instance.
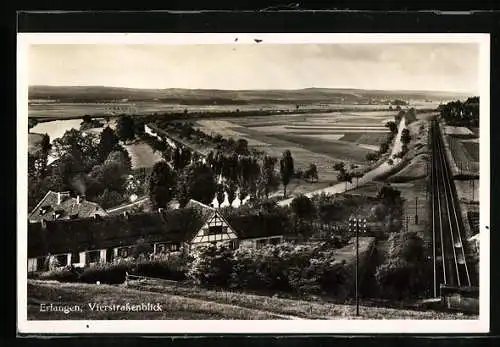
[(258, 326)]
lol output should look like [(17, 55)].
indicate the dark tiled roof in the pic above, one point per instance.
[(253, 226), (112, 231), (206, 212), (69, 207)]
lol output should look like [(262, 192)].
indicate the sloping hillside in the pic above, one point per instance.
[(319, 95)]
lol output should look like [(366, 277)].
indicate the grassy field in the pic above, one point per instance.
[(375, 138), (367, 189), (80, 295), (416, 168), (338, 151), (179, 302), (142, 155)]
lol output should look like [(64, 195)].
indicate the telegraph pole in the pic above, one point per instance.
[(357, 224)]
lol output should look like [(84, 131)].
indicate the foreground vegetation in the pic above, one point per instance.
[(196, 303), (173, 307)]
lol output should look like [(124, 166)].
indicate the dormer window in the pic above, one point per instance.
[(58, 214), (44, 209)]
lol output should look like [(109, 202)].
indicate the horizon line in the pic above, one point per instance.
[(256, 89)]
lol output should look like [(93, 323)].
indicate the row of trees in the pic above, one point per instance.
[(461, 113), (203, 181)]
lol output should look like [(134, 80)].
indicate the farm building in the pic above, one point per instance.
[(61, 206), (81, 242)]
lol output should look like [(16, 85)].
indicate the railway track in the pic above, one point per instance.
[(449, 260)]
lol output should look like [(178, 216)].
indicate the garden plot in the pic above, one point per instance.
[(465, 155), (468, 190), (472, 148)]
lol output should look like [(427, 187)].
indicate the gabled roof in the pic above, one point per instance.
[(68, 207)]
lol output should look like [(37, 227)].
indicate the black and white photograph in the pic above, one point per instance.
[(253, 183)]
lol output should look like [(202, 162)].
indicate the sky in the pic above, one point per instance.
[(436, 67)]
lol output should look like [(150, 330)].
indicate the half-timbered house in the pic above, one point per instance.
[(82, 242)]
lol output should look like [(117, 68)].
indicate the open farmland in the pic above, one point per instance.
[(339, 150), (319, 138)]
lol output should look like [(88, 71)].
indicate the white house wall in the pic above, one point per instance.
[(32, 264), (227, 235)]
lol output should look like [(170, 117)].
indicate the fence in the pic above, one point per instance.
[(129, 277)]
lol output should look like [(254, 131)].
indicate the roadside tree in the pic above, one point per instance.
[(286, 169)]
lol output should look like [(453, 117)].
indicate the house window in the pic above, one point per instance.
[(174, 247), (62, 259), (215, 229), (275, 240), (93, 256), (41, 264), (124, 252), (160, 248), (260, 243), (75, 258)]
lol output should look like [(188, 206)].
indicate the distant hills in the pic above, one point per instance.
[(214, 96)]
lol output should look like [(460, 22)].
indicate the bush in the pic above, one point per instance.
[(302, 269), (372, 156), (211, 265), (299, 174), (62, 275), (406, 273), (173, 268), (105, 273)]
